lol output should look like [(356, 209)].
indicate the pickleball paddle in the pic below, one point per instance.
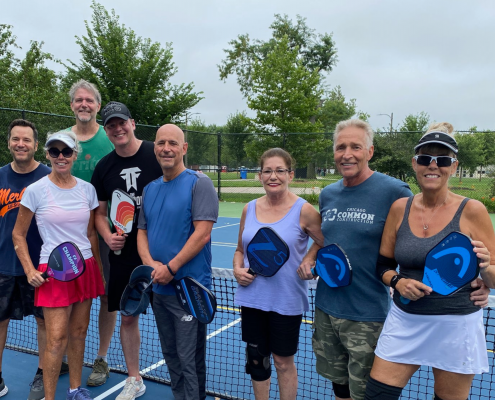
[(65, 263), (266, 253), (122, 212), (332, 265)]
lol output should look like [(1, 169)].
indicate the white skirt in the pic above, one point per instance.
[(454, 343)]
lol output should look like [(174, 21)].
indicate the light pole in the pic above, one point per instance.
[(188, 114), (391, 116)]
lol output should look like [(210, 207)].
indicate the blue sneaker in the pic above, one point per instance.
[(79, 394)]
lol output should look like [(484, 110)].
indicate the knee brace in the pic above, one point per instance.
[(341, 391), (380, 391), (257, 364)]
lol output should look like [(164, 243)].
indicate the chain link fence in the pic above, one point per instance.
[(224, 158)]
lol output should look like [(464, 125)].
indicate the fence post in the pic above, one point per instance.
[(219, 179), (283, 145)]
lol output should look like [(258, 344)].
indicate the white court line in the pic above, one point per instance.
[(162, 362), (223, 244), (226, 226)]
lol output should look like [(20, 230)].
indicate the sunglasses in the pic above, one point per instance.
[(66, 152), (442, 161)]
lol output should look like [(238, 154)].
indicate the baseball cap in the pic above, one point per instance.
[(136, 296), (440, 138), (61, 137), (114, 109)]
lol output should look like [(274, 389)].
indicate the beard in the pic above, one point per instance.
[(84, 119)]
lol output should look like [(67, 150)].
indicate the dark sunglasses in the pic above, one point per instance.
[(66, 152), (442, 161)]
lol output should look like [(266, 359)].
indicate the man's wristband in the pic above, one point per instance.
[(170, 270), (395, 279)]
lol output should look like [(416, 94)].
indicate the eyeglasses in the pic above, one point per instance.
[(66, 152), (278, 172), (442, 161)]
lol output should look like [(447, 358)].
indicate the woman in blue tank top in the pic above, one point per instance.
[(423, 327), (272, 307)]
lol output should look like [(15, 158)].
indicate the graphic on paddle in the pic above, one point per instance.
[(65, 263), (195, 299), (122, 212), (450, 265), (332, 265), (266, 253)]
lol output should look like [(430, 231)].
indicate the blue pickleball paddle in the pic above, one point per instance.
[(195, 299), (451, 264), (332, 265), (267, 253)]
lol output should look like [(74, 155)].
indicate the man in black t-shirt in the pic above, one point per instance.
[(130, 167)]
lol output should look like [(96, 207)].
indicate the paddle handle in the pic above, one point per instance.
[(251, 272), (44, 275), (313, 271)]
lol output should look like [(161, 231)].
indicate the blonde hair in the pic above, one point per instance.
[(444, 127)]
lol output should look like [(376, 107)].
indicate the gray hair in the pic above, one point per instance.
[(357, 123), (82, 84), (70, 134)]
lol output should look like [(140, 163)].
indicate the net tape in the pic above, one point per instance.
[(225, 357)]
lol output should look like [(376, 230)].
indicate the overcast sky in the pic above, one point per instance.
[(394, 56)]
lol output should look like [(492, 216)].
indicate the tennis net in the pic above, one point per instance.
[(226, 352)]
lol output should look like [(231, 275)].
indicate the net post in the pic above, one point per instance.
[(219, 179)]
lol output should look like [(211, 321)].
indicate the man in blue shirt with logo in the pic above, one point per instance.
[(178, 213)]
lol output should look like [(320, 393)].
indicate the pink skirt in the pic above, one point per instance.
[(62, 294)]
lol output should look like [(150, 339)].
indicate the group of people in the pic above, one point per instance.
[(43, 207), (367, 349)]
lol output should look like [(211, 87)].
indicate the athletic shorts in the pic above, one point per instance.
[(17, 298), (104, 251), (271, 331), (344, 350), (119, 279), (53, 293)]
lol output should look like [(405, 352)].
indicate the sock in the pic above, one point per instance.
[(65, 359), (72, 390), (0, 376), (39, 372), (104, 358)]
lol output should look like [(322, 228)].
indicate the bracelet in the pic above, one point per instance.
[(395, 279), (170, 270)]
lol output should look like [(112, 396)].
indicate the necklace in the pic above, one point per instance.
[(426, 225)]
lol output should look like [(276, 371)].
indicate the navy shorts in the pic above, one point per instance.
[(17, 298), (271, 331)]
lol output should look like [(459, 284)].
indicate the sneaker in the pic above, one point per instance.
[(79, 394), (37, 388), (3, 388), (132, 389), (64, 368), (99, 374)]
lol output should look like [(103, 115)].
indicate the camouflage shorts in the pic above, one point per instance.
[(344, 350), (17, 299)]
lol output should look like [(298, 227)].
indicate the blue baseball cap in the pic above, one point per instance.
[(136, 296)]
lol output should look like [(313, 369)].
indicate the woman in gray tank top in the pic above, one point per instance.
[(272, 308), (424, 327)]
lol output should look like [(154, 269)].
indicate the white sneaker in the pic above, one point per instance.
[(132, 389)]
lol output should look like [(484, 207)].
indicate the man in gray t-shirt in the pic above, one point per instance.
[(353, 212)]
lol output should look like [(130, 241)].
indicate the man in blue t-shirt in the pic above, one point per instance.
[(348, 320), (17, 295), (179, 209)]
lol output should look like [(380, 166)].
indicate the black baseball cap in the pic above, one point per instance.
[(114, 109), (440, 138)]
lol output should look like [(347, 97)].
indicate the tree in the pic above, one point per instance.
[(486, 145), (130, 69), (469, 152), (202, 143), (285, 96), (233, 140), (316, 52), (394, 150)]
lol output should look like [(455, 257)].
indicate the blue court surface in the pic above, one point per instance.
[(225, 351)]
